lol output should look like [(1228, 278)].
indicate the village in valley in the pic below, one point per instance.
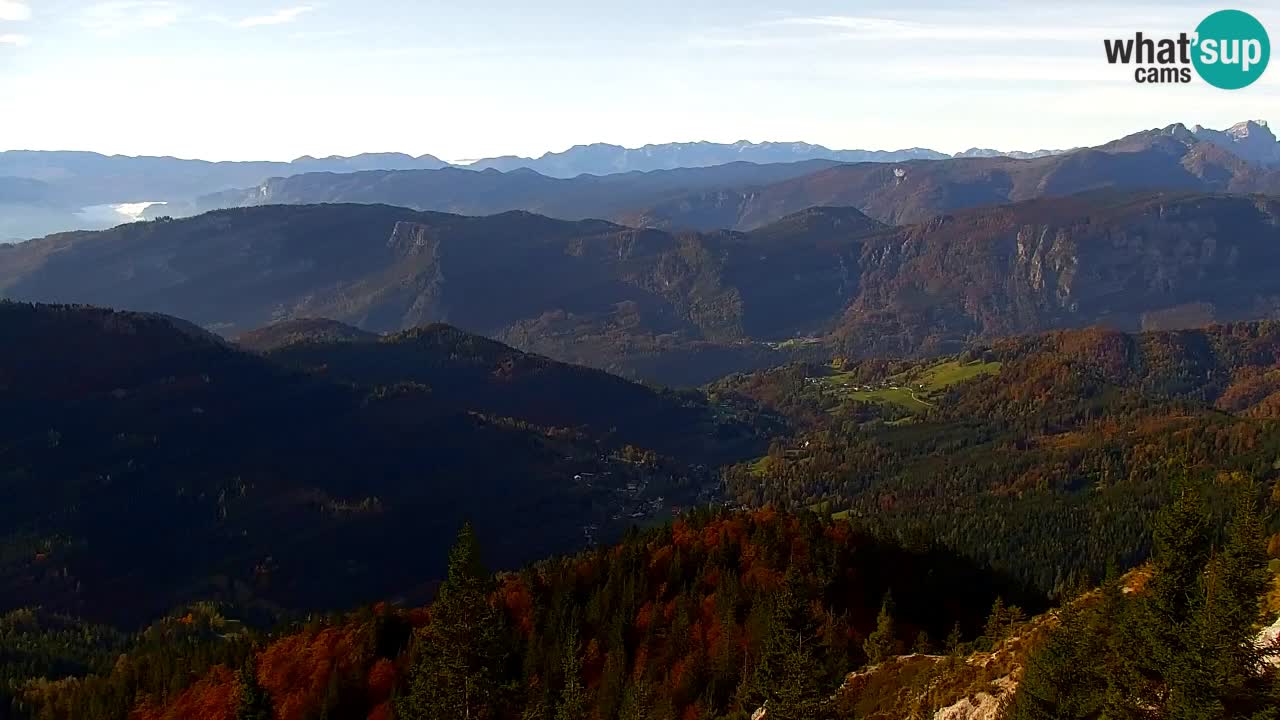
[(634, 487)]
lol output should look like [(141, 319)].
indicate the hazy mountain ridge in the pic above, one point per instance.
[(743, 196), (1171, 158), (685, 307), (43, 192), (603, 158), (488, 192)]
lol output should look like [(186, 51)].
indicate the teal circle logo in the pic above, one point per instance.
[(1232, 49)]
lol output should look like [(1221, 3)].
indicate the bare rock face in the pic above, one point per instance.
[(982, 705), (1252, 140), (408, 238), (1269, 638)]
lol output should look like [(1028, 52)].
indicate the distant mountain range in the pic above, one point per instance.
[(744, 196), (54, 191), (605, 159), (43, 192)]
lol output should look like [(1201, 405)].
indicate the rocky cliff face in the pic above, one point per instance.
[(1252, 140), (1159, 262)]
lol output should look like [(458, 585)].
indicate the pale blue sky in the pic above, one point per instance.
[(233, 79)]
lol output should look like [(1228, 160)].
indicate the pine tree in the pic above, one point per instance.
[(1057, 684), (1001, 621), (924, 645), (456, 672), (1120, 637), (636, 701), (1173, 661), (880, 644), (799, 693), (573, 696), (1236, 579), (954, 640), (253, 702), (787, 677)]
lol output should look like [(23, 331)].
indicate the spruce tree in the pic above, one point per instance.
[(787, 678), (954, 640), (799, 695), (880, 644), (573, 696), (1235, 582), (923, 646), (1173, 665), (456, 672), (1056, 684), (636, 701), (252, 702)]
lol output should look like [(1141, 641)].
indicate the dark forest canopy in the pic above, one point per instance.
[(906, 504), (148, 463), (716, 616), (711, 613)]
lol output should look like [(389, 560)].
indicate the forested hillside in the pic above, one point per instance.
[(472, 373), (1058, 445), (684, 308), (708, 617), (723, 615), (148, 463)]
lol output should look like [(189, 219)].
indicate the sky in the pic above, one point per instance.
[(241, 80)]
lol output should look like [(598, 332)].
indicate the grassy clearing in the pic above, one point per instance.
[(760, 467), (949, 373), (915, 390), (898, 396)]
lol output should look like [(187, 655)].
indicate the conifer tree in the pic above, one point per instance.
[(954, 640), (1054, 683), (637, 700), (880, 644), (787, 678), (573, 696), (253, 702), (1235, 582), (923, 645), (456, 673), (1173, 662)]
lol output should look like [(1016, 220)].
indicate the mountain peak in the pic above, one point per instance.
[(1251, 140), (1249, 128)]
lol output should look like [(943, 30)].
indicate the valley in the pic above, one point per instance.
[(685, 308), (843, 437)]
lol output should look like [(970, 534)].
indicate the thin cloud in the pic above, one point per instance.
[(878, 28), (320, 34), (279, 17), (15, 40), (116, 18), (14, 10), (1032, 26)]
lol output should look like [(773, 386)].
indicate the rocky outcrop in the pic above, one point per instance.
[(981, 705)]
